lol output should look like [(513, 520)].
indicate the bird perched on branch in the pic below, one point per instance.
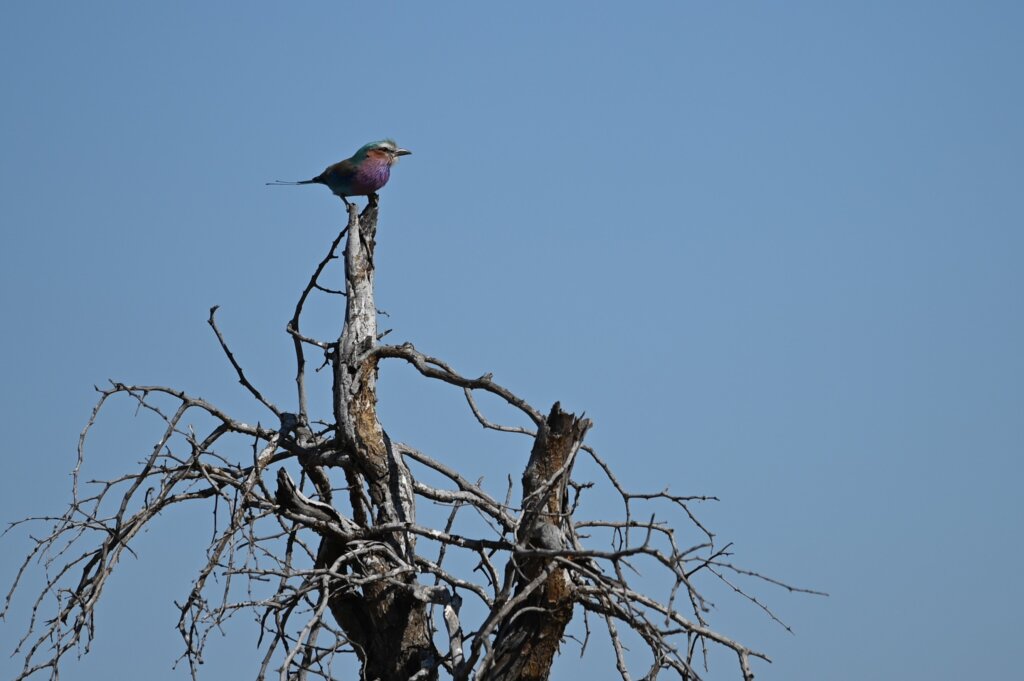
[(361, 175)]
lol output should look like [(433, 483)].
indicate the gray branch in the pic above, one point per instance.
[(347, 573)]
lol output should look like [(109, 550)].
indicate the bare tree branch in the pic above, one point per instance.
[(349, 575)]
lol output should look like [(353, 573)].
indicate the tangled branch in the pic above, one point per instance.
[(330, 578)]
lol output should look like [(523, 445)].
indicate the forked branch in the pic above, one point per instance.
[(351, 574)]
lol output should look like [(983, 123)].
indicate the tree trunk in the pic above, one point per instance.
[(386, 623), (530, 633)]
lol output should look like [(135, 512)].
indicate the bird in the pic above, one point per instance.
[(362, 174)]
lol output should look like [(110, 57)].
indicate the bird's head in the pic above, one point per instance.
[(384, 150)]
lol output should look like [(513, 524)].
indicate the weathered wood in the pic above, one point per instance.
[(529, 635), (387, 623), (367, 571)]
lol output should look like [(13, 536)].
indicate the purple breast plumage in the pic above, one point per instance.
[(370, 176)]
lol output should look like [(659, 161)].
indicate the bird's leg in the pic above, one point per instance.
[(347, 204), (372, 198)]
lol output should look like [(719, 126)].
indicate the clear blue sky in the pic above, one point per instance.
[(774, 250)]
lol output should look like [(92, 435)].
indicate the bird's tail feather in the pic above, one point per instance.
[(286, 182)]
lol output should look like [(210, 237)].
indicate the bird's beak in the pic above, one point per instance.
[(402, 152)]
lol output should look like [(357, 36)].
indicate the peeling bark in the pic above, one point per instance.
[(386, 622), (529, 636)]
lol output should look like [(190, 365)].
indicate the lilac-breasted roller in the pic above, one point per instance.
[(362, 174)]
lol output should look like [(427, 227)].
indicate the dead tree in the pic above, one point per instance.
[(329, 574)]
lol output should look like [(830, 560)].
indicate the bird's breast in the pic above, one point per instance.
[(371, 176)]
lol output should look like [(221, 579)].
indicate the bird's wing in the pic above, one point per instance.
[(337, 174)]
